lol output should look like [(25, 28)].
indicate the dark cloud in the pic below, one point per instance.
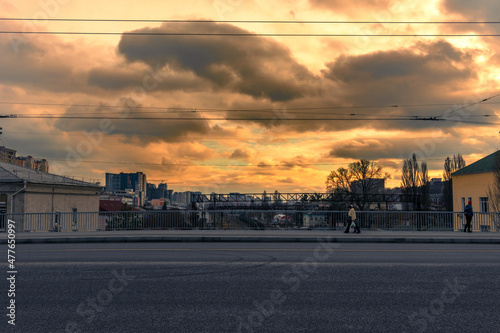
[(240, 154), (297, 161), (142, 129), (32, 68), (192, 151), (113, 78), (256, 66), (163, 79), (402, 148), (288, 180), (404, 75), (174, 166), (372, 149), (384, 85), (39, 63), (21, 137), (479, 10), (425, 72)]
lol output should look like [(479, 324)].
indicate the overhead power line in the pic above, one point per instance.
[(448, 113), (228, 164), (198, 119), (148, 115), (198, 109), (352, 118)]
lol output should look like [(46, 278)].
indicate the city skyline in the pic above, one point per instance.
[(273, 111)]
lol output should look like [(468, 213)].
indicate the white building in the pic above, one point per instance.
[(315, 219), (24, 190)]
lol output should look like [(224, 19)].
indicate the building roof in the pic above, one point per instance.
[(486, 164), (112, 206), (11, 173)]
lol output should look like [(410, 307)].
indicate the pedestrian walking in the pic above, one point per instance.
[(352, 220), (468, 216)]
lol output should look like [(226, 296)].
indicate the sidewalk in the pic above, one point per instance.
[(366, 236)]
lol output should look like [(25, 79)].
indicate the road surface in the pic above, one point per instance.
[(254, 287)]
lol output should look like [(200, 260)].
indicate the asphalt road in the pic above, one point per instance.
[(254, 287)]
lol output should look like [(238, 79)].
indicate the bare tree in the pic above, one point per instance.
[(339, 180), (450, 166), (361, 178), (425, 186), (415, 183)]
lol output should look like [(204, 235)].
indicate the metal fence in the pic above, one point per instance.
[(246, 220)]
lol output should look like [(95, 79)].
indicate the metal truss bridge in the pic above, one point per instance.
[(260, 199)]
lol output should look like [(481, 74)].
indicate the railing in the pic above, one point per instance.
[(246, 220)]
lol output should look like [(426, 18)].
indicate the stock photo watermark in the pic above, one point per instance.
[(458, 115), (89, 309), (11, 272), (280, 117), (222, 7), (291, 281), (422, 319), (95, 137), (47, 9)]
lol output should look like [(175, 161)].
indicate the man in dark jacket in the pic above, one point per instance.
[(468, 216)]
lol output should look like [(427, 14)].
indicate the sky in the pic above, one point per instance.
[(252, 113)]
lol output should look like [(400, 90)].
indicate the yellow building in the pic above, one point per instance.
[(471, 184)]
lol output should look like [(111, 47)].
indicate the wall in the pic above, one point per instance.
[(52, 198), (473, 186)]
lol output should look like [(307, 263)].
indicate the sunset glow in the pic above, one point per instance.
[(253, 113)]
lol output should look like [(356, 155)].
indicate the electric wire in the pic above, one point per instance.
[(448, 113), (354, 117), (274, 109), (260, 165)]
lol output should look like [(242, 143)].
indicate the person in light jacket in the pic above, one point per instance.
[(468, 216), (352, 219)]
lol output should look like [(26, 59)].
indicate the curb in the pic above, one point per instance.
[(255, 239)]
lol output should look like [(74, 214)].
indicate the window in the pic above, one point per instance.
[(483, 205), (463, 204)]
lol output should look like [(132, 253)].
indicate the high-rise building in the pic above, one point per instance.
[(159, 192), (125, 181), (134, 182), (113, 182), (7, 155), (170, 195)]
